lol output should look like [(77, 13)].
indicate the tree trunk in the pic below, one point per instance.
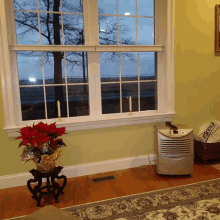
[(83, 58), (84, 71), (58, 56)]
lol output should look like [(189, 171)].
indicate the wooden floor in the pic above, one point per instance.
[(17, 201)]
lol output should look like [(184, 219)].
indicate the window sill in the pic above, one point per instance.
[(106, 121)]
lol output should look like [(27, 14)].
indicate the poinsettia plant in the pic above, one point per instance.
[(41, 133)]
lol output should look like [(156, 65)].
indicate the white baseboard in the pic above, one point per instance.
[(82, 169)]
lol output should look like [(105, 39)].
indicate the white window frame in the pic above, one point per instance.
[(164, 45)]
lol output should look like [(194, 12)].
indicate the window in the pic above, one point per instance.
[(101, 59)]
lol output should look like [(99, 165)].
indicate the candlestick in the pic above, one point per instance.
[(130, 104), (58, 107)]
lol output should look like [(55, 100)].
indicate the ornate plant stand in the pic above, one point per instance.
[(53, 188)]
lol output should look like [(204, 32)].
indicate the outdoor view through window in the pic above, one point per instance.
[(48, 76)]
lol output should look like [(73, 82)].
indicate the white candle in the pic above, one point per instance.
[(58, 107), (130, 104)]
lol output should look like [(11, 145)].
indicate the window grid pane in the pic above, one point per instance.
[(32, 21), (142, 22), (146, 76), (37, 94), (125, 30)]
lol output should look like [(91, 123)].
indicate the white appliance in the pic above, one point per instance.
[(175, 150)]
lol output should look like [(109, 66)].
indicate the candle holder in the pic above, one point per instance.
[(59, 119), (130, 105)]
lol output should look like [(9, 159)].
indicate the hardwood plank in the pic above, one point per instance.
[(100, 190), (17, 201), (75, 193), (129, 182)]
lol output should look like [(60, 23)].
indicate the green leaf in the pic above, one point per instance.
[(21, 144), (63, 144)]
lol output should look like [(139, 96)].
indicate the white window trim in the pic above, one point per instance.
[(165, 111), (97, 48)]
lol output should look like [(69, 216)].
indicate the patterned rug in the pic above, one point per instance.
[(216, 166), (199, 201)]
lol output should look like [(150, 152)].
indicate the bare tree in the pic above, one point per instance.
[(73, 33)]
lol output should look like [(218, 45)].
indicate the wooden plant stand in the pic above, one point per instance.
[(51, 188)]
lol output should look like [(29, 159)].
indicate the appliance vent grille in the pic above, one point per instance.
[(175, 146)]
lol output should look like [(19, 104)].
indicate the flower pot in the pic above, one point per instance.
[(48, 162)]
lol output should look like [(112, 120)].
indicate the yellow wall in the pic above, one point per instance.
[(197, 98), (82, 146), (197, 69)]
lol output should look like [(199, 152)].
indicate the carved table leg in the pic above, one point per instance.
[(48, 184), (36, 189), (57, 171), (56, 185), (64, 182), (56, 188)]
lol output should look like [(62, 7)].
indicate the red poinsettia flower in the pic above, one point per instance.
[(34, 132), (61, 131), (25, 135), (52, 128), (26, 132), (53, 143), (45, 139), (41, 127), (40, 134)]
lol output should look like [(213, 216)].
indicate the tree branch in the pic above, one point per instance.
[(28, 25), (48, 7)]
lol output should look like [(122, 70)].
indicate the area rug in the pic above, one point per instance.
[(216, 166), (198, 201)]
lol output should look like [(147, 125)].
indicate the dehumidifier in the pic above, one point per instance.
[(175, 150)]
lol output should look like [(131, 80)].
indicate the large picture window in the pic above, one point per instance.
[(100, 59)]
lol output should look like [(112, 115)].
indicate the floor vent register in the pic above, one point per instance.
[(102, 179)]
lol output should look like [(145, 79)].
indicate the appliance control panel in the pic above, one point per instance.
[(170, 133)]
